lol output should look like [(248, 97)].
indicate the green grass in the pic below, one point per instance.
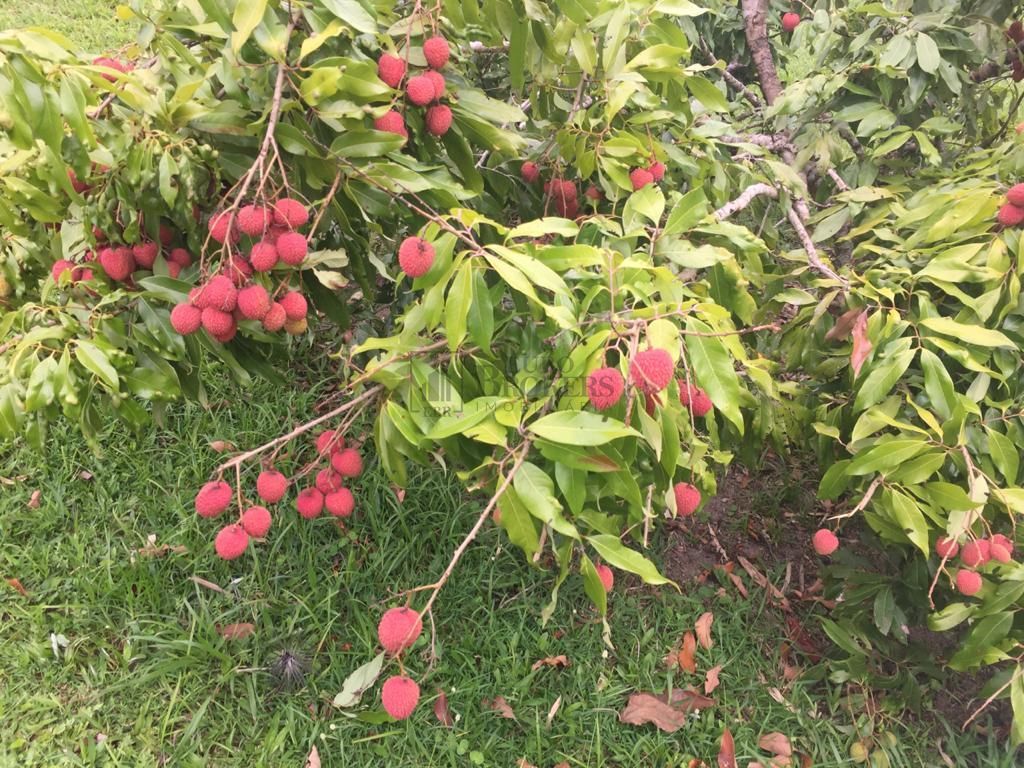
[(89, 23)]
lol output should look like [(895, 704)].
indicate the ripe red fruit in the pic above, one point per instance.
[(118, 263), (218, 323), (186, 319), (436, 52), (329, 441), (254, 302), (790, 21), (60, 267), (399, 695), (530, 172), (231, 541), (347, 462), (1010, 215), (165, 235), (657, 170), (253, 219), (271, 486), (594, 193), (1015, 195), (256, 521), (604, 573), (340, 503), (640, 178), (291, 213), (218, 226), (391, 70), (420, 90), (976, 553), (696, 399), (328, 481), (398, 629), (439, 120), (999, 540), (391, 122), (999, 552), (968, 582), (292, 248), (946, 547), (180, 256), (263, 256), (213, 498), (439, 83), (415, 256), (217, 293), (275, 319), (77, 184), (1016, 32), (605, 387), (145, 254), (295, 306), (309, 502), (687, 499), (651, 370), (238, 270), (106, 61), (825, 542)]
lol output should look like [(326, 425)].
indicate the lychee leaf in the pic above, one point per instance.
[(537, 491), (518, 524), (580, 428), (358, 682), (714, 370), (613, 551), (592, 585)]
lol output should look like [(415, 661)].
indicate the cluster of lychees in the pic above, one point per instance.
[(1011, 214), (234, 293), (976, 553), (397, 630), (563, 194), (328, 491), (422, 90)]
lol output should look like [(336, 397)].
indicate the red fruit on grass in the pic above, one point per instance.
[(420, 90), (604, 573), (976, 553), (825, 542), (1015, 195), (790, 21), (145, 254), (398, 629), (217, 293), (391, 122), (186, 319), (118, 263), (310, 502), (605, 387), (415, 256), (347, 462), (530, 172), (253, 219), (651, 370), (263, 256), (640, 178), (946, 547), (391, 70), (256, 521), (329, 441), (1010, 215), (180, 256), (328, 481), (60, 267), (657, 170), (254, 302), (218, 323), (399, 695), (687, 499), (213, 498), (340, 503), (231, 541), (218, 226), (271, 486), (436, 52), (295, 306), (439, 120), (291, 213), (292, 248), (439, 83), (968, 582), (275, 319), (696, 399)]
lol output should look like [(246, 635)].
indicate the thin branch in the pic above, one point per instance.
[(993, 697), (864, 500), (746, 198), (841, 185), (812, 252)]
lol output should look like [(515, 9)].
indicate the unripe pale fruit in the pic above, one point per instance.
[(657, 170), (968, 582), (399, 695), (391, 122), (328, 481), (296, 327), (640, 178), (271, 486), (292, 248), (213, 498), (186, 319), (253, 219), (256, 521), (605, 387), (347, 463), (309, 503), (790, 21), (415, 256), (687, 499), (696, 399), (604, 573), (398, 629), (118, 263), (145, 254), (1015, 196), (231, 541), (439, 84), (1010, 215), (289, 212), (825, 542), (530, 172), (391, 70), (651, 370), (341, 503), (439, 120), (946, 547), (275, 319), (263, 256), (420, 90), (295, 306), (436, 52), (218, 292), (329, 441), (218, 323), (254, 302), (976, 553)]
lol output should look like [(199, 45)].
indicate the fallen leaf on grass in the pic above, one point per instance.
[(667, 711), (727, 751), (33, 500), (500, 705), (208, 584), (238, 631), (152, 549), (313, 760), (441, 710), (550, 661), (711, 679), (521, 763), (704, 630), (18, 587), (776, 743), (221, 446), (554, 710), (686, 654), (738, 583)]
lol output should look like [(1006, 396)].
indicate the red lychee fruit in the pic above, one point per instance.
[(398, 629), (439, 120), (106, 61), (328, 481), (347, 462), (118, 263), (1010, 215), (253, 220), (605, 387), (657, 170), (1015, 32), (1015, 195), (604, 573), (329, 441), (217, 293), (946, 547), (77, 184), (391, 70), (968, 582), (263, 256), (291, 213), (165, 235), (530, 172), (173, 269), (976, 553), (825, 542), (254, 302), (1001, 548), (271, 486), (218, 323), (213, 498), (186, 319), (594, 193), (340, 503), (145, 254), (436, 52), (439, 83), (256, 521), (238, 270), (696, 399), (231, 541), (651, 370), (687, 499), (275, 318), (415, 256), (292, 248), (60, 267), (790, 21), (640, 178), (420, 90), (181, 257), (295, 306), (273, 234), (309, 502), (218, 226), (391, 122), (399, 695)]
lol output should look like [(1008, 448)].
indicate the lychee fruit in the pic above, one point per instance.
[(218, 226), (256, 521), (292, 248), (687, 499), (253, 219), (696, 399), (340, 503), (309, 502), (1010, 215), (238, 270), (118, 263), (640, 178), (218, 323), (328, 481), (790, 21), (439, 83), (439, 120), (347, 462), (296, 327), (391, 70), (976, 553), (165, 235), (180, 256), (657, 170), (825, 542), (1001, 548), (968, 582), (594, 193), (605, 387), (275, 318), (530, 172), (420, 90), (946, 547), (651, 370), (77, 184), (436, 52), (213, 498), (391, 122), (295, 306), (106, 61), (263, 256), (271, 486), (291, 213), (231, 541), (254, 302), (329, 441), (398, 629), (60, 267), (604, 573), (217, 293), (399, 695), (145, 254), (186, 319), (415, 256), (1015, 195)]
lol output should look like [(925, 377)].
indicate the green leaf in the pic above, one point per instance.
[(1017, 703), (518, 523), (352, 13), (471, 414), (911, 520), (835, 480), (644, 204), (882, 378), (93, 358), (714, 370), (841, 637), (537, 491), (456, 308), (986, 633), (592, 585), (884, 610), (366, 144), (886, 456), (1004, 454), (952, 615), (248, 14), (580, 428), (928, 57), (357, 683), (613, 551), (969, 334), (938, 384)]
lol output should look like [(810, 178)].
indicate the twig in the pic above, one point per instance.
[(864, 500), (327, 201), (745, 199), (841, 185), (992, 698), (812, 252)]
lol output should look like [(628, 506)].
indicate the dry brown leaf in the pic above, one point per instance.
[(500, 705), (687, 652), (554, 710), (444, 717), (644, 708), (776, 743), (18, 587), (313, 760), (687, 699), (805, 760), (704, 630), (844, 324), (158, 550), (762, 581), (238, 631), (221, 446), (727, 751), (85, 474), (738, 583), (711, 679), (550, 661), (521, 763), (208, 584), (861, 343), (33, 500)]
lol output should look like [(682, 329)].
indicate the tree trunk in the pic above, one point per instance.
[(755, 24)]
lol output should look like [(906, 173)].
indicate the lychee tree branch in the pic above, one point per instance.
[(812, 252), (746, 197), (755, 26)]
